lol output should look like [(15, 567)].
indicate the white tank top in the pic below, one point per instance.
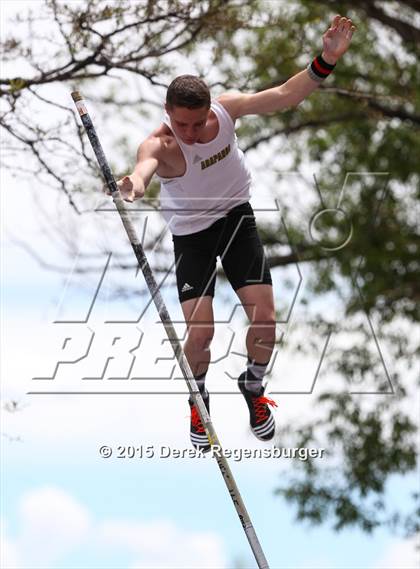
[(216, 179)]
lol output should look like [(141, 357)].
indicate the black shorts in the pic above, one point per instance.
[(234, 238)]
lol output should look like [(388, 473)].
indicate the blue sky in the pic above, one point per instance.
[(188, 492)]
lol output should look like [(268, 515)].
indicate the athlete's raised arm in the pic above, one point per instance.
[(336, 41), (132, 187)]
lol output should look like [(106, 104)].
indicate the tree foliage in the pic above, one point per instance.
[(361, 129)]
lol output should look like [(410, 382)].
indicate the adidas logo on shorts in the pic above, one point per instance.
[(186, 287)]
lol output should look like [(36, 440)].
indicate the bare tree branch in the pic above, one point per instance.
[(309, 124)]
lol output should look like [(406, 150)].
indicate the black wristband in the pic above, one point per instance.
[(324, 64), (319, 69)]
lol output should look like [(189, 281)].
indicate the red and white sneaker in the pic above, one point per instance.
[(198, 435), (260, 417)]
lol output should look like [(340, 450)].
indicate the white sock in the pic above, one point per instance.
[(201, 384), (254, 375)]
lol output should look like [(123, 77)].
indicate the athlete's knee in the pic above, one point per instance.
[(264, 316), (200, 337)]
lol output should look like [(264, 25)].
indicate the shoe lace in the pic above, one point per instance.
[(196, 421), (261, 407)]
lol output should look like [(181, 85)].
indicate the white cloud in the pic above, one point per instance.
[(401, 555), (8, 552), (53, 524), (162, 544)]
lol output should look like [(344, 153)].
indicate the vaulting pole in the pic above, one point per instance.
[(170, 331)]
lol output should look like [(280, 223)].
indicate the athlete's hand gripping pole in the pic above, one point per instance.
[(170, 331)]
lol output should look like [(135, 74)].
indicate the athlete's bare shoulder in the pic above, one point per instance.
[(230, 102), (160, 142), (162, 145)]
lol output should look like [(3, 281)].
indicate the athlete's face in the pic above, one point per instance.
[(188, 124)]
